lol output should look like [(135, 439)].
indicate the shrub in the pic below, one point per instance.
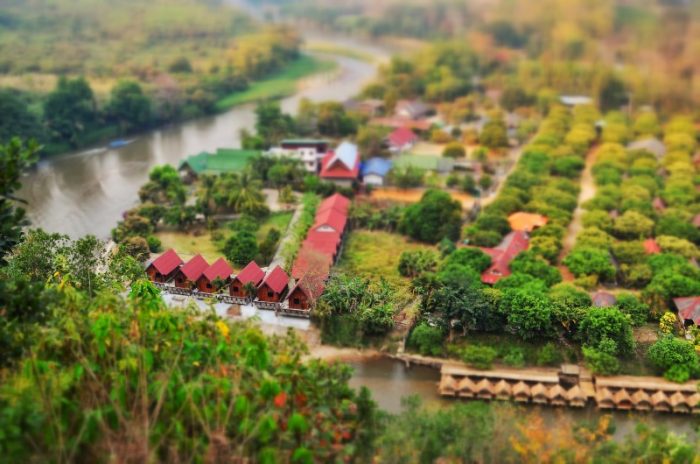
[(515, 357), (635, 309), (548, 355), (675, 357), (454, 150), (154, 243), (414, 263), (600, 362), (478, 356), (427, 339)]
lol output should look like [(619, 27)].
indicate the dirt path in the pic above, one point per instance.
[(587, 192), (513, 157)]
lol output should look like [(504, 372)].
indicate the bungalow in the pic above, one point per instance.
[(512, 244), (274, 287), (306, 151), (526, 222), (412, 109), (311, 261), (189, 274), (164, 267), (250, 275), (688, 309), (370, 107), (224, 160), (341, 166), (337, 202), (330, 220), (375, 170), (401, 139), (603, 299), (219, 271), (305, 293)]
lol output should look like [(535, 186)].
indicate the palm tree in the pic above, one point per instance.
[(246, 193), (205, 195)]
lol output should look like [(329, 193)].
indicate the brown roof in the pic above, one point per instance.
[(603, 299), (526, 222), (688, 308)]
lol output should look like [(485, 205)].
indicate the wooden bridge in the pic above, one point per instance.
[(569, 386)]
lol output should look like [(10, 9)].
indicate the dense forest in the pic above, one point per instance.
[(75, 73)]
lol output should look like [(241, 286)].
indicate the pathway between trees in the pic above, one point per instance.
[(287, 238), (513, 157), (587, 192)]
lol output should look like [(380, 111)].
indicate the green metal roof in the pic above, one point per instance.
[(425, 162), (303, 141), (224, 160)]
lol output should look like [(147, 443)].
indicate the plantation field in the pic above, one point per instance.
[(375, 254), (279, 85)]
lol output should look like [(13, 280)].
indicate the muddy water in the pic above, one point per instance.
[(390, 381)]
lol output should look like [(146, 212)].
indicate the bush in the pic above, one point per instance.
[(454, 150), (600, 362), (154, 244), (635, 309), (479, 357), (548, 355), (427, 339), (515, 357), (675, 357), (414, 263)]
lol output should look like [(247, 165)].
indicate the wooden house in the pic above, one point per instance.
[(190, 272), (274, 287), (164, 267), (305, 293), (219, 271), (250, 275)]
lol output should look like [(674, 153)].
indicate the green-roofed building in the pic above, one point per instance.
[(424, 162), (224, 160)]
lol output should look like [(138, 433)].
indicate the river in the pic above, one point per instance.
[(86, 192)]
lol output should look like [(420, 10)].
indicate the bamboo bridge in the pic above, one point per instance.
[(570, 386)]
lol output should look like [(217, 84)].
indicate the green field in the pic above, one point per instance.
[(334, 49), (279, 221), (375, 254), (280, 85)]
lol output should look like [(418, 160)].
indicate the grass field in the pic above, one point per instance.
[(279, 221), (374, 254), (280, 85), (188, 245), (335, 49)]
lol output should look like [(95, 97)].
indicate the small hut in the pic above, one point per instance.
[(251, 275), (484, 389), (556, 395), (679, 403), (467, 388), (274, 287), (641, 400), (539, 393), (502, 390), (188, 274), (622, 399), (660, 402), (448, 386), (521, 392), (218, 273), (694, 402), (164, 267), (575, 397), (604, 398)]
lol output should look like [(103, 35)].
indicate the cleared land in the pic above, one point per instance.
[(414, 195), (280, 85), (375, 254)]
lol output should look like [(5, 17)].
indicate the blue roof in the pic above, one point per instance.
[(378, 166)]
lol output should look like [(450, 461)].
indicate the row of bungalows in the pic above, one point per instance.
[(267, 290), (319, 252)]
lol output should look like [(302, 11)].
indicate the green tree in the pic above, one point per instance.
[(454, 150), (241, 248), (17, 120), (129, 106), (70, 110), (15, 158), (600, 324), (271, 124), (632, 225), (427, 339), (590, 261), (494, 134), (269, 245), (333, 121), (675, 358), (414, 263), (434, 217)]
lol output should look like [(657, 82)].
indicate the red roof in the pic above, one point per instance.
[(338, 170), (689, 308), (402, 136), (337, 202), (323, 238), (331, 218), (502, 255), (311, 261), (396, 122), (696, 220), (251, 274), (311, 285), (276, 279), (603, 299), (651, 247), (220, 269), (167, 262), (194, 268)]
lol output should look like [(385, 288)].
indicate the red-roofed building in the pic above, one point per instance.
[(513, 244), (164, 267), (327, 242), (219, 271), (330, 220), (342, 165), (274, 286), (651, 247), (305, 293), (336, 202), (696, 221), (251, 274), (421, 125), (311, 261), (688, 308), (189, 273), (402, 139)]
